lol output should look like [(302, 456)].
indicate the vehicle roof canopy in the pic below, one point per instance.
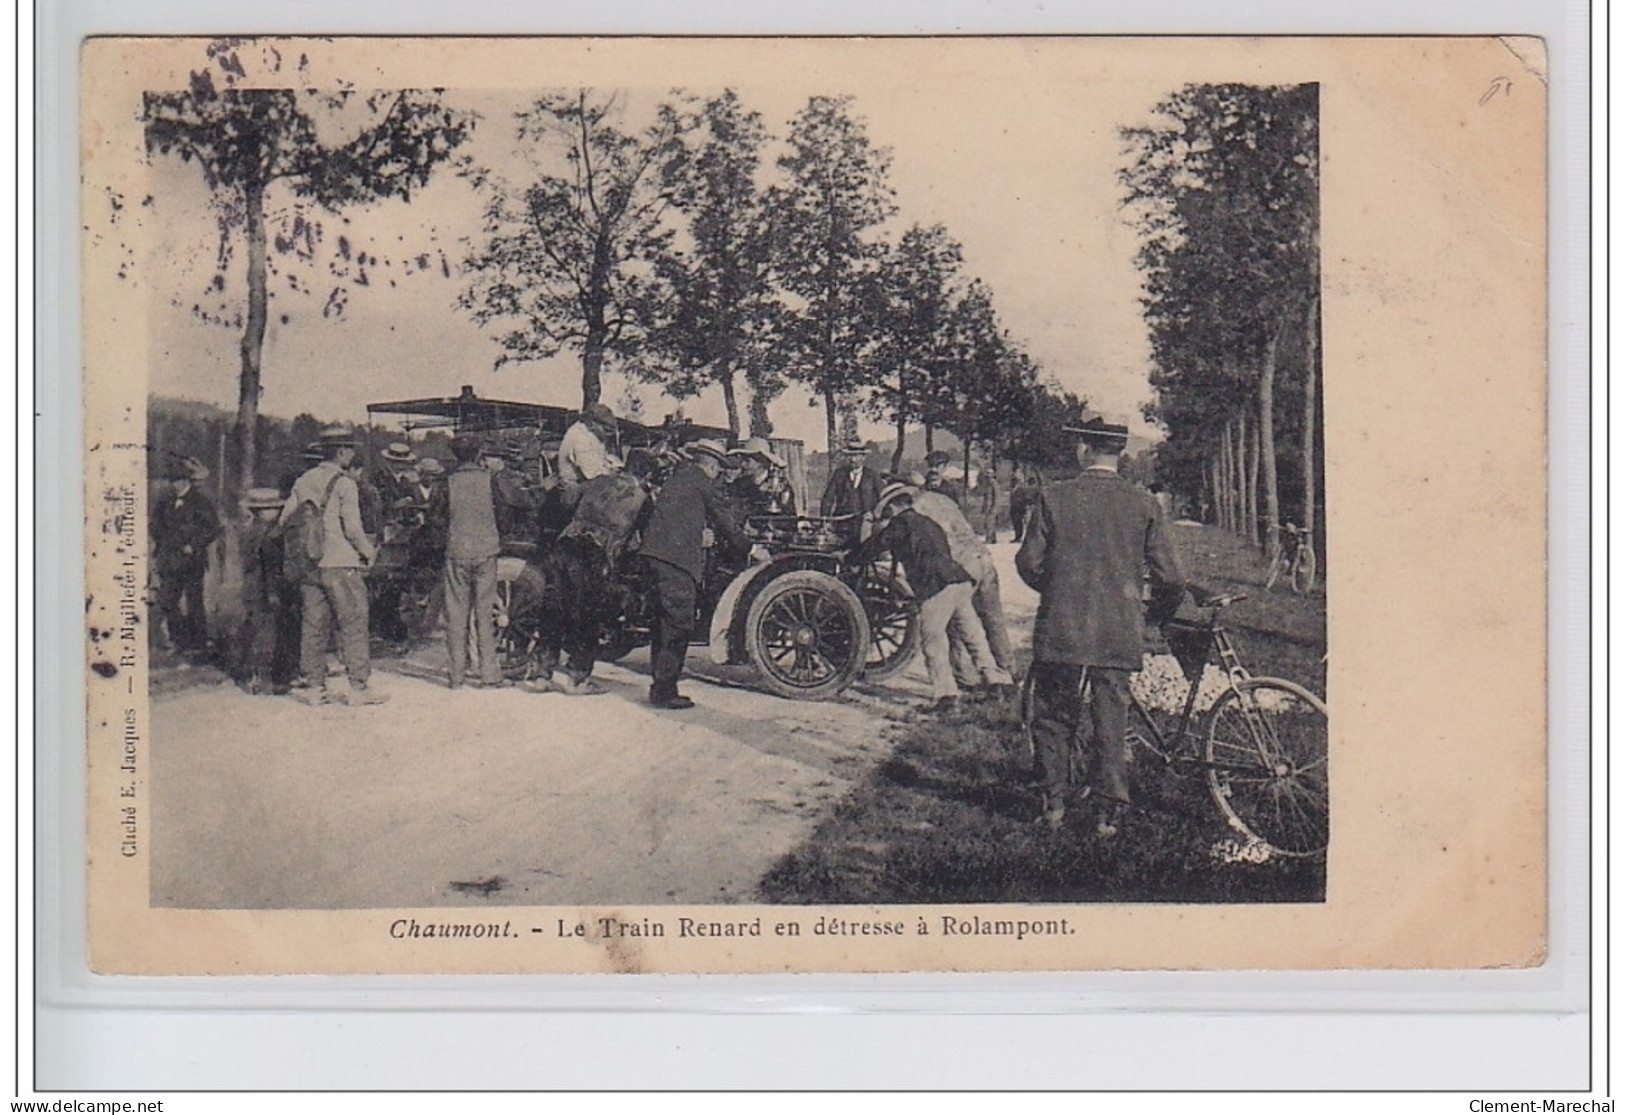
[(469, 413)]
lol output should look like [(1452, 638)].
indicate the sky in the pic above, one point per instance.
[(1014, 146)]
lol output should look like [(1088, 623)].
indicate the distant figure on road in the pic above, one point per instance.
[(265, 646), (1090, 544), (989, 487), (1023, 497)]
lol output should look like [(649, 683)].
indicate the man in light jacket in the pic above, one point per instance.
[(340, 591)]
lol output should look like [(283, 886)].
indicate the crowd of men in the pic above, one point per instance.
[(1088, 546)]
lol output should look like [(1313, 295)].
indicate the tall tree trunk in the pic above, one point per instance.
[(726, 376), (1250, 448), (249, 349), (829, 421), (902, 435), (760, 424), (930, 439), (1221, 491), (1311, 372), (592, 368), (1266, 441), (965, 483)]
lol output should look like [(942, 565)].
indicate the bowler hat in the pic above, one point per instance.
[(431, 466), (855, 447), (189, 468), (312, 452), (598, 414), (936, 458)]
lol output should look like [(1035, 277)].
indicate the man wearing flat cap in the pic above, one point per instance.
[(184, 524), (339, 593), (1090, 544), (673, 553), (583, 453), (853, 487)]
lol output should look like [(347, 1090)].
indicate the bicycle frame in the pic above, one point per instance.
[(1183, 749)]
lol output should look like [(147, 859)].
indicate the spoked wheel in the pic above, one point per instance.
[(1266, 750), (894, 625), (807, 635), (520, 588)]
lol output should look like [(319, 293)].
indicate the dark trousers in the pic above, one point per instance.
[(576, 606), (180, 602), (673, 591), (1058, 709)]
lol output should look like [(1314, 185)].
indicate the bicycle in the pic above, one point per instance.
[(1296, 561), (1261, 748)]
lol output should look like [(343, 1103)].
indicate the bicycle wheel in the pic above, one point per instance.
[(1303, 571), (1266, 753)]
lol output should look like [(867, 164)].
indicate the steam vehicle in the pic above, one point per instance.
[(808, 622)]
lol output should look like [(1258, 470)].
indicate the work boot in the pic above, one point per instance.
[(585, 687), (673, 701), (364, 695)]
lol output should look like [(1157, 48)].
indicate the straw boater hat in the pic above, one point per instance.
[(312, 452), (264, 499), (399, 453), (338, 437), (708, 447), (758, 447), (431, 466), (854, 447), (889, 494)]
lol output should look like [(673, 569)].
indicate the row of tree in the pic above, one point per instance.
[(659, 251), (668, 252), (1224, 188)]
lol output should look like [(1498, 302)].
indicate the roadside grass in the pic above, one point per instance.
[(949, 817)]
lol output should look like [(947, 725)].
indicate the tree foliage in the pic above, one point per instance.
[(720, 317), (251, 137), (568, 260), (1223, 189), (826, 216)]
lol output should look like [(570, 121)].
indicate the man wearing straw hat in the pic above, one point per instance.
[(1090, 544), (853, 487), (759, 488), (339, 593)]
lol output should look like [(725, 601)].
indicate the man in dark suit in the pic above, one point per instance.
[(853, 487), (184, 525), (674, 557), (1090, 544)]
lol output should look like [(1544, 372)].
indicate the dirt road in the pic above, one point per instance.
[(477, 797)]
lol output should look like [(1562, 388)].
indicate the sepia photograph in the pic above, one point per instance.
[(759, 505)]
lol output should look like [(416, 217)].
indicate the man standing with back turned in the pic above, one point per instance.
[(1090, 543)]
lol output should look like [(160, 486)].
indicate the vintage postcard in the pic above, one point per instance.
[(814, 505)]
